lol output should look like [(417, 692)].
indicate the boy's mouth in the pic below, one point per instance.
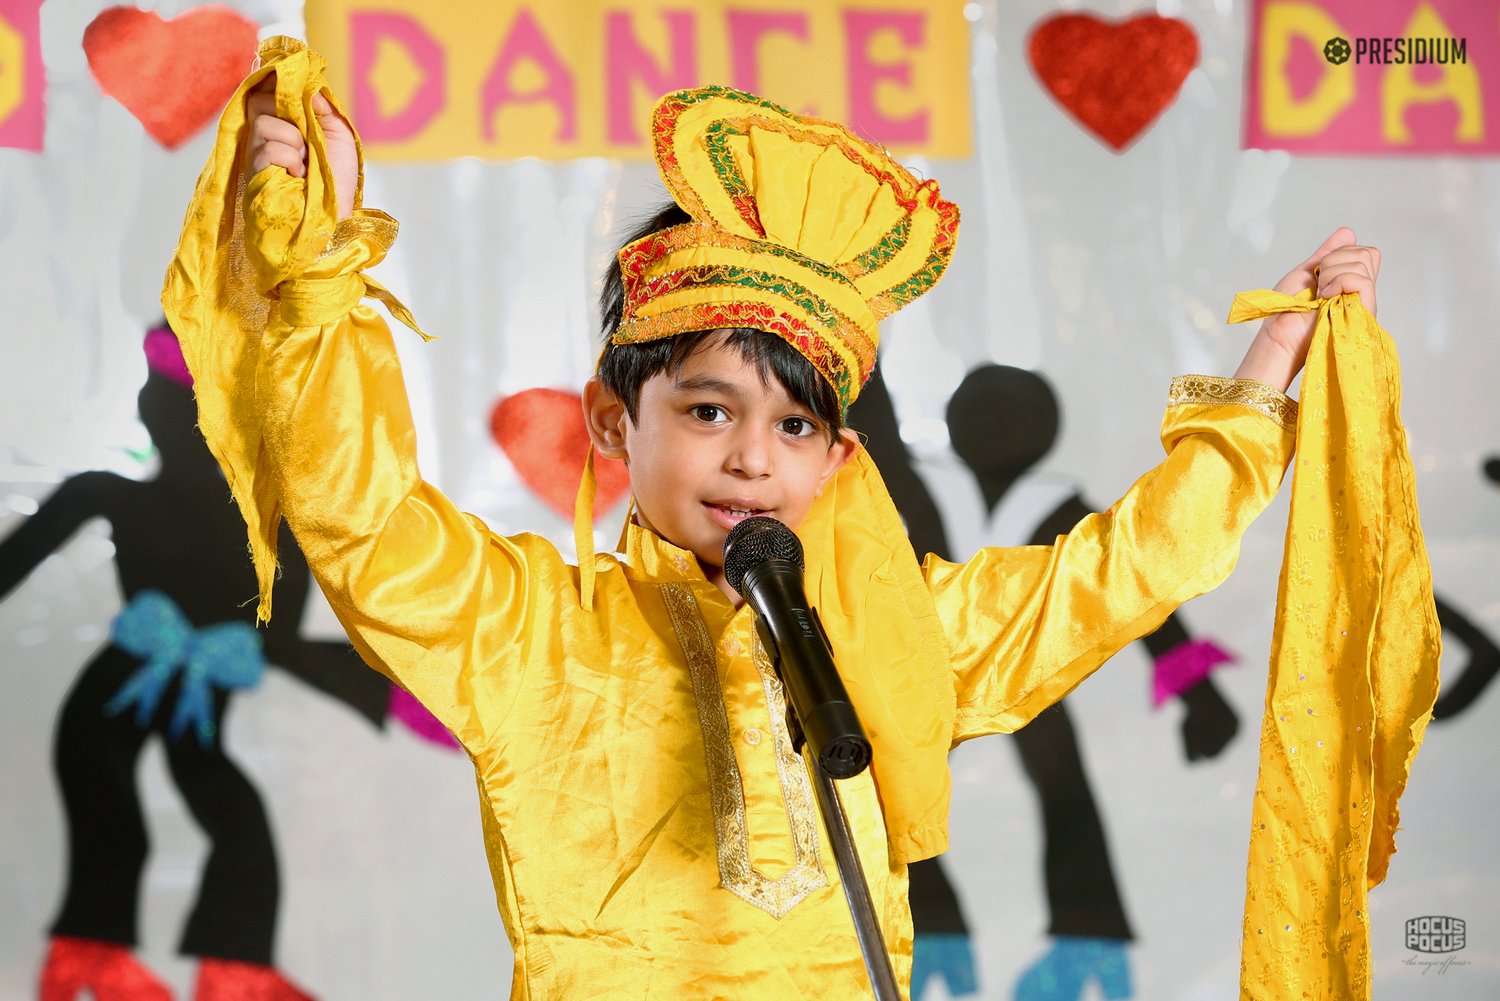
[(731, 514)]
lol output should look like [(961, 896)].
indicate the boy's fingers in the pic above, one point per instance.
[(262, 104), (328, 118), (268, 129), (324, 110), (275, 154), (1341, 237), (258, 104), (1346, 281), (1350, 269), (1364, 260), (1305, 275)]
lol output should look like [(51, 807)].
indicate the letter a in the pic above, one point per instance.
[(1457, 83), (525, 42)]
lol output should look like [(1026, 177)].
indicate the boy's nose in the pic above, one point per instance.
[(750, 455)]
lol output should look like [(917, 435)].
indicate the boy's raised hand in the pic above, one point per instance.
[(276, 142), (1338, 265)]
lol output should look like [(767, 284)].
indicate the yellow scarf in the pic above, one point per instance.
[(1353, 665), (217, 303)]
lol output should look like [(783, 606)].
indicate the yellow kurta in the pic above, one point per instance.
[(650, 832)]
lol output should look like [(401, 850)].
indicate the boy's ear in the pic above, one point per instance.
[(839, 453), (605, 415)]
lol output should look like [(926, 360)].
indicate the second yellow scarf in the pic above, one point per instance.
[(1354, 663)]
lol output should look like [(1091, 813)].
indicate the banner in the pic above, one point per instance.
[(512, 78), (23, 85), (1349, 76)]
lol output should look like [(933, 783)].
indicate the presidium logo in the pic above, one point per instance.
[(1397, 50)]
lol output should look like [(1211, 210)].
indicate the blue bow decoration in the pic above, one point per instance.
[(153, 628)]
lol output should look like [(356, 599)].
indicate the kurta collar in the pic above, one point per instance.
[(651, 559)]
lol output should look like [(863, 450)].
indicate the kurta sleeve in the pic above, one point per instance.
[(1025, 625), (301, 400), (427, 594)]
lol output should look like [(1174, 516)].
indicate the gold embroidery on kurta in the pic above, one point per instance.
[(726, 788), (1236, 392), (796, 784), (378, 230)]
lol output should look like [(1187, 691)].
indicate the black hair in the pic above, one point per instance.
[(624, 368)]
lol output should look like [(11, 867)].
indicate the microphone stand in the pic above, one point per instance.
[(836, 823), (856, 889)]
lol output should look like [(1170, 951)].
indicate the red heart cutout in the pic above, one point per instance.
[(174, 76), (543, 434), (1113, 78)]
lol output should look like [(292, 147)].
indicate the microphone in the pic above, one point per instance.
[(763, 562)]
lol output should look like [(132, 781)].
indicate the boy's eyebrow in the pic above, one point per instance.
[(708, 384)]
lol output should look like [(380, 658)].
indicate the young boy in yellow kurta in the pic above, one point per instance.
[(650, 830)]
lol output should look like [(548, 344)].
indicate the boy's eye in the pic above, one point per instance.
[(798, 427), (708, 413)]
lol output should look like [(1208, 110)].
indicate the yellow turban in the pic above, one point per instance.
[(800, 228)]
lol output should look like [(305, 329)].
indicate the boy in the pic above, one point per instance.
[(627, 730)]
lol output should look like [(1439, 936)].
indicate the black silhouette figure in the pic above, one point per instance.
[(1001, 422), (178, 542), (1484, 654)]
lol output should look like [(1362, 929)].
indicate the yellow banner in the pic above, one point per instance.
[(568, 78)]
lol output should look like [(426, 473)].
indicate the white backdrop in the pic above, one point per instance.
[(1110, 273)]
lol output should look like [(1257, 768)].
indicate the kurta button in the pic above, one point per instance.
[(733, 648), (752, 737)]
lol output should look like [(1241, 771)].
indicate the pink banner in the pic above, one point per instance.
[(22, 84), (515, 78), (1349, 76)]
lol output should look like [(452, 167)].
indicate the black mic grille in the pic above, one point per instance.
[(755, 540)]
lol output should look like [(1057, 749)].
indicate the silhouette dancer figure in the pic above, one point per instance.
[(1484, 654), (182, 643), (1001, 422)]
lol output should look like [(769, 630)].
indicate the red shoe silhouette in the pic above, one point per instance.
[(107, 970), (228, 980)]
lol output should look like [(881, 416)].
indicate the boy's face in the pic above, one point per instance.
[(712, 445)]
